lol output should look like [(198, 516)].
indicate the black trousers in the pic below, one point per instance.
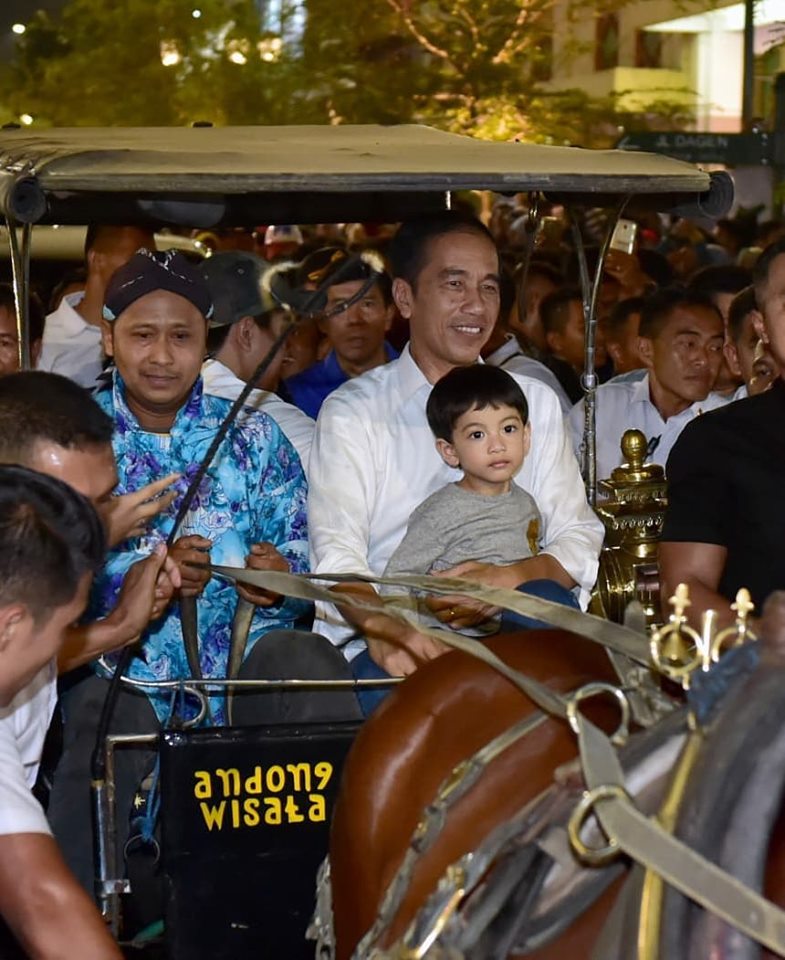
[(280, 654)]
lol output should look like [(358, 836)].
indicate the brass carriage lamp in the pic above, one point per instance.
[(633, 514)]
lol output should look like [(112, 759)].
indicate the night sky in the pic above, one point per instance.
[(19, 11)]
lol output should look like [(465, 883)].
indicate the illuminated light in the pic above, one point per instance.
[(18, 29), (270, 49), (170, 55), (237, 56), (26, 119), (196, 14)]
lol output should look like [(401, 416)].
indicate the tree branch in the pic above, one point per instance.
[(511, 45), (418, 36)]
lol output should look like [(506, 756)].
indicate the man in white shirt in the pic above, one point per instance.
[(72, 333), (51, 425), (681, 343), (503, 349), (374, 459), (51, 544), (245, 325)]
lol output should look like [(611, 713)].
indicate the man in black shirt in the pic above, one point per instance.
[(725, 524)]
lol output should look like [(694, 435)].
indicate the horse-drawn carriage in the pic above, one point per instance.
[(260, 870)]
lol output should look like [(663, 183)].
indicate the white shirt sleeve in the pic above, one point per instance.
[(341, 492), (572, 532), (573, 423), (20, 812)]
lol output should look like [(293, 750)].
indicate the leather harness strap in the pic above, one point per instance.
[(631, 832)]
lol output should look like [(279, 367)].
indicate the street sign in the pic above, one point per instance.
[(730, 149)]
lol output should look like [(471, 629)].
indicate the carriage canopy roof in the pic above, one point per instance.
[(73, 175)]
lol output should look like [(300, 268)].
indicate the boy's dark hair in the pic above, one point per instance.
[(620, 316), (471, 388), (762, 268), (50, 536), (555, 309), (658, 307), (741, 306), (409, 247), (38, 406), (35, 310)]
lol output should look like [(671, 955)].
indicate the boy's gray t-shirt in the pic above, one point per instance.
[(454, 525)]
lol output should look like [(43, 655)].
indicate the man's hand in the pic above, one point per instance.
[(129, 515), (148, 587), (398, 649), (263, 556), (187, 551), (459, 612), (626, 269), (410, 650)]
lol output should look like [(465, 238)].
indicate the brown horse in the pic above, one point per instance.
[(411, 743), (453, 706)]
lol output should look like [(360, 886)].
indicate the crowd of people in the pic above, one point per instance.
[(419, 409)]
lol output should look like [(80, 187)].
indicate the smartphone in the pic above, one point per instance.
[(624, 235)]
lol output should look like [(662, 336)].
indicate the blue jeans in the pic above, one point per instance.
[(364, 668)]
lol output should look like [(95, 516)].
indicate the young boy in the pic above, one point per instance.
[(479, 417)]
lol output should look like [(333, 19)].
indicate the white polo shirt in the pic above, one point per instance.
[(624, 405), (298, 427), (70, 345), (23, 726), (374, 460)]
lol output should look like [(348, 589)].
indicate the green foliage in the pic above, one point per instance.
[(469, 66)]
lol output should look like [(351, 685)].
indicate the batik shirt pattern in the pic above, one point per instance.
[(254, 491)]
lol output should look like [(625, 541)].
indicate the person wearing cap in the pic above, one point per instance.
[(282, 241), (249, 511), (358, 312), (245, 324), (250, 508)]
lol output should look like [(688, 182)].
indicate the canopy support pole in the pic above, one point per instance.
[(20, 266), (590, 290)]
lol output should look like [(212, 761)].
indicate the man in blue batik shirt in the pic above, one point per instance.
[(249, 511), (250, 507)]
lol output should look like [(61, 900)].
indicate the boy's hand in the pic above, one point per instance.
[(184, 552), (263, 556), (129, 515)]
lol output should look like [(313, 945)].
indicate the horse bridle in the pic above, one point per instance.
[(628, 831)]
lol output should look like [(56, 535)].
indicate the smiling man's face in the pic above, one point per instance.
[(454, 303), (158, 345)]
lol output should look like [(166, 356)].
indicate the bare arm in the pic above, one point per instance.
[(50, 914), (147, 589), (396, 648), (700, 566)]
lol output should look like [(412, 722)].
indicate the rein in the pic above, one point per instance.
[(627, 830)]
